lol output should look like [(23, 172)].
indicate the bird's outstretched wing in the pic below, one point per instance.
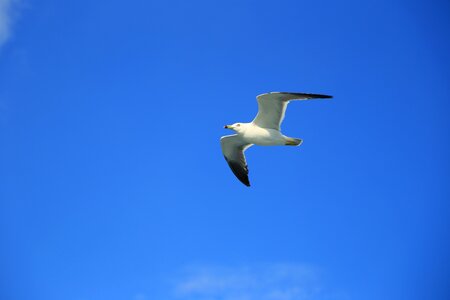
[(272, 107), (233, 148)]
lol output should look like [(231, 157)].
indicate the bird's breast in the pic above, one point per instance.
[(263, 136)]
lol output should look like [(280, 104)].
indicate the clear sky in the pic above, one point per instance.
[(113, 185)]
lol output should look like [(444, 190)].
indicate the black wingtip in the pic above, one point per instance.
[(239, 171), (311, 96), (243, 179), (318, 96)]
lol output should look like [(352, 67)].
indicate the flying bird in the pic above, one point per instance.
[(264, 130)]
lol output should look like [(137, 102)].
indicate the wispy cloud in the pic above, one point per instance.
[(257, 282), (140, 296), (6, 17)]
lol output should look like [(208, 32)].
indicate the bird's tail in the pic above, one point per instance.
[(293, 141)]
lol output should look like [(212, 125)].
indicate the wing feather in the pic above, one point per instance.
[(272, 107), (233, 148)]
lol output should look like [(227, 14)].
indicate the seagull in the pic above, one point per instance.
[(264, 130)]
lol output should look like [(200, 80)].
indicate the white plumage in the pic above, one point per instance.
[(264, 130)]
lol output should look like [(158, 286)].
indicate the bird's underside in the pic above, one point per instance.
[(265, 127)]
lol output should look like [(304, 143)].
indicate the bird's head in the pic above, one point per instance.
[(238, 127)]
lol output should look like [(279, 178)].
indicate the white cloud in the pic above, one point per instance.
[(6, 14), (257, 282), (140, 296)]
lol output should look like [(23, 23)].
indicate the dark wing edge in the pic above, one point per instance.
[(299, 95), (239, 170), (309, 96), (233, 150)]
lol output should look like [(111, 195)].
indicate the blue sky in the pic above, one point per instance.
[(113, 185)]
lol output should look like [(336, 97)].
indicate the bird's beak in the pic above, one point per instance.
[(227, 126)]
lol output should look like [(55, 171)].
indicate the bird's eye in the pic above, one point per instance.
[(238, 125)]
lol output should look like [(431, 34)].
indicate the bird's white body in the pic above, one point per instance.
[(253, 134)]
